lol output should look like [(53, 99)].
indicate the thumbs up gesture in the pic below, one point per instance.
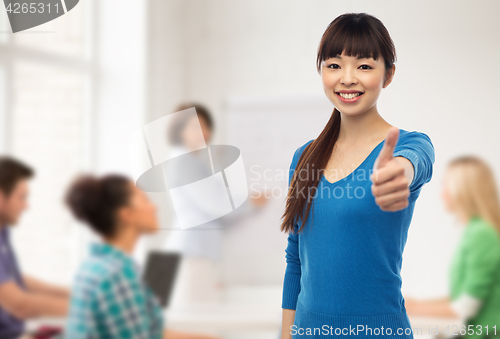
[(390, 184)]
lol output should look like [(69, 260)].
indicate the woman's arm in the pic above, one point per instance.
[(467, 306), (172, 334), (293, 271), (417, 147), (287, 322), (430, 308), (37, 286), (25, 305)]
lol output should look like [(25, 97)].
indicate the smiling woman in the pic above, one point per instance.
[(357, 238)]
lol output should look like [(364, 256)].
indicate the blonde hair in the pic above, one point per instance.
[(473, 189)]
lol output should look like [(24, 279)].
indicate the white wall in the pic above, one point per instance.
[(120, 105)]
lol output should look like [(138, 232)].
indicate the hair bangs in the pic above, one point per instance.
[(355, 36)]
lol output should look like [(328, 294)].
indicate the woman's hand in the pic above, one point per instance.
[(259, 200), (439, 308), (412, 306), (391, 176), (287, 321)]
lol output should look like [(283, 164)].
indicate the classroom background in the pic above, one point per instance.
[(73, 90)]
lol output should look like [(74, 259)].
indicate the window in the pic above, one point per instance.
[(46, 76)]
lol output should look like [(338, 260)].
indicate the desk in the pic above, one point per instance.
[(250, 309), (225, 317), (207, 317), (243, 317), (240, 317)]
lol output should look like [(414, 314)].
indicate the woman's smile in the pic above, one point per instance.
[(349, 98)]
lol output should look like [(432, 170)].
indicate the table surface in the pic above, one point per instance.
[(247, 317)]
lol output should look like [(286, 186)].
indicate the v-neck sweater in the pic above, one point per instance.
[(343, 274)]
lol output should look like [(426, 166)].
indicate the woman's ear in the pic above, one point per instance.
[(124, 215), (389, 75)]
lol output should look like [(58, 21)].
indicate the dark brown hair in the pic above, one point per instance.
[(95, 201), (11, 171), (176, 127), (355, 34)]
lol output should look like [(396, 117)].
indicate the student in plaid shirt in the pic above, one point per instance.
[(109, 299)]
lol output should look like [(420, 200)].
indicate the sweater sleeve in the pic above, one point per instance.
[(291, 283), (417, 147), (481, 263), (466, 306)]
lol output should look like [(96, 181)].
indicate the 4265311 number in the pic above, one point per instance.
[(32, 7)]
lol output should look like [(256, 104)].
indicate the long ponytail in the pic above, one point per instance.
[(315, 155)]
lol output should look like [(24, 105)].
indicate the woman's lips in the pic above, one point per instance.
[(349, 101)]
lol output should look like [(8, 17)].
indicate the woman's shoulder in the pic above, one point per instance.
[(479, 233), (480, 227), (409, 136), (305, 145), (99, 274), (300, 150)]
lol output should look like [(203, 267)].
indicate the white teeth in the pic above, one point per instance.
[(349, 96)]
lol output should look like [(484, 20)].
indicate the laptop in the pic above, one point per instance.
[(160, 273)]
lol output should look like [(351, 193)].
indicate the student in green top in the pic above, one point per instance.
[(470, 193)]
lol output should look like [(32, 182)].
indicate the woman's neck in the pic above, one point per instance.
[(362, 127), (463, 218), (125, 240)]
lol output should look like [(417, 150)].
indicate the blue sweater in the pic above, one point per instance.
[(345, 270)]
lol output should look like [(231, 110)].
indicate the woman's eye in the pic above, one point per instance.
[(335, 66)]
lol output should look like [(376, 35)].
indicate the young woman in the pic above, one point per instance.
[(200, 277), (470, 193), (360, 179), (109, 299)]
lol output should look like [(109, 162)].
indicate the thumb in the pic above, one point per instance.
[(387, 152)]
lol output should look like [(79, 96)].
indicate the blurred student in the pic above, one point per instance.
[(470, 193), (21, 297), (109, 298), (200, 277)]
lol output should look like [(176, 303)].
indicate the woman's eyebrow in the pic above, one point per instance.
[(358, 58)]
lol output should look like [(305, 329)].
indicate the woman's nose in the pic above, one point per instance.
[(348, 78)]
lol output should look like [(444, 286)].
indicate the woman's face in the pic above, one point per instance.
[(349, 74), (141, 212), (191, 136)]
